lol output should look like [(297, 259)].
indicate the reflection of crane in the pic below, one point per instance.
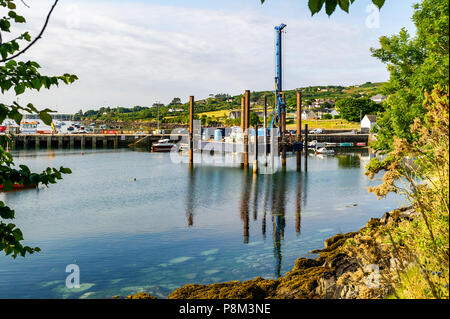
[(279, 96)]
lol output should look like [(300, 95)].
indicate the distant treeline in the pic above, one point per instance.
[(178, 112)]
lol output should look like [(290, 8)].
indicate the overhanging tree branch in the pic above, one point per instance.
[(37, 38)]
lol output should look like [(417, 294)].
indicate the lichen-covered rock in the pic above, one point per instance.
[(141, 295), (257, 288)]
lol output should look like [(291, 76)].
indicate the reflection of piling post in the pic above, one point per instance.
[(191, 131), (244, 209), (299, 129), (255, 191), (190, 197), (246, 124), (298, 207)]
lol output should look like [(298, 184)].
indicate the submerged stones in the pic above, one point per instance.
[(349, 266), (179, 260)]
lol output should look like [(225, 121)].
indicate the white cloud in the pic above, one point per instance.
[(135, 54)]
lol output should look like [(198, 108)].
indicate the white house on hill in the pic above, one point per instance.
[(309, 115), (334, 112), (368, 123)]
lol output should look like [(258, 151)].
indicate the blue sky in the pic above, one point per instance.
[(138, 52)]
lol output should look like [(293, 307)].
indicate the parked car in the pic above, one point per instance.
[(316, 131)]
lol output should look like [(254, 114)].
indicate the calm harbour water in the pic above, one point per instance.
[(174, 226)]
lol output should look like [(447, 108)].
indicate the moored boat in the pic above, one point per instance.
[(330, 144), (17, 187), (346, 144), (162, 146)]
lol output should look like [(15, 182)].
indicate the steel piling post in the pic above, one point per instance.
[(299, 129), (191, 131)]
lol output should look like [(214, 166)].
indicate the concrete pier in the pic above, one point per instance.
[(60, 141)]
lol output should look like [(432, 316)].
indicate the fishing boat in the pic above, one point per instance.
[(162, 146), (28, 127), (17, 187), (346, 144), (361, 144), (323, 150)]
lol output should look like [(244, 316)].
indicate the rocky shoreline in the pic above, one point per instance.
[(359, 265)]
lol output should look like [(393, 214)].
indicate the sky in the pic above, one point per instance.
[(138, 52)]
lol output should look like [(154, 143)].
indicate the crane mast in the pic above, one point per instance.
[(279, 97)]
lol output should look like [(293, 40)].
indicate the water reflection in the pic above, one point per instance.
[(261, 196), (174, 226), (245, 203), (190, 199), (278, 217), (348, 161)]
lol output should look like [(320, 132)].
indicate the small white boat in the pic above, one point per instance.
[(331, 144), (162, 146), (315, 144), (323, 150)]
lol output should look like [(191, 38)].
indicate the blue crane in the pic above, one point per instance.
[(279, 97)]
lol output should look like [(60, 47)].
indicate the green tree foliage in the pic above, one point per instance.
[(352, 109), (415, 65), (330, 5), (175, 101), (254, 119), (20, 76)]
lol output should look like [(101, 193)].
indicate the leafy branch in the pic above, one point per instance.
[(330, 5), (21, 76)]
